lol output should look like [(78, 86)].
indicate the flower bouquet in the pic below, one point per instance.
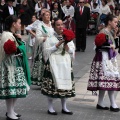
[(68, 36), (100, 39), (10, 47)]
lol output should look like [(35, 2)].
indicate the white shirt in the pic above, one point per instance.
[(105, 9), (95, 9), (70, 11), (98, 2), (11, 11), (38, 9)]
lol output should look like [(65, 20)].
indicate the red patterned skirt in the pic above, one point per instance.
[(98, 80)]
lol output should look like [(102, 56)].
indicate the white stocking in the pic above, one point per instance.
[(101, 98), (10, 109), (50, 104), (112, 99), (63, 102), (14, 101)]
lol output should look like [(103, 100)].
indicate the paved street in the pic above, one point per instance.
[(34, 107)]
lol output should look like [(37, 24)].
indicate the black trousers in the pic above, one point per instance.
[(2, 26), (81, 38)]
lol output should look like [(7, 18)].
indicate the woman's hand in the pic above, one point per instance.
[(112, 46), (44, 39), (66, 47), (18, 36), (115, 32), (60, 42)]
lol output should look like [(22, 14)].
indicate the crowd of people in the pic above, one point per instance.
[(52, 26)]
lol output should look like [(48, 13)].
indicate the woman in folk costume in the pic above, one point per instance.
[(56, 11), (69, 10), (57, 80), (104, 74), (41, 5), (31, 39), (37, 66), (14, 70)]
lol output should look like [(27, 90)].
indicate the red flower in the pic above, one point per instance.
[(10, 47), (100, 39), (22, 11), (68, 35), (94, 15)]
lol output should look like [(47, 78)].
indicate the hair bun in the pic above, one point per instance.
[(9, 20)]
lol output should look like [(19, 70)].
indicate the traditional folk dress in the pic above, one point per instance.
[(57, 78), (57, 14), (14, 69), (69, 12), (104, 73), (31, 39), (37, 66)]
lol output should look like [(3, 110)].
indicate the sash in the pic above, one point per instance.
[(26, 68)]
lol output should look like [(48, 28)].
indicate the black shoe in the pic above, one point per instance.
[(77, 50), (82, 50), (27, 32), (18, 115), (52, 113), (8, 118), (65, 112), (114, 109), (102, 108)]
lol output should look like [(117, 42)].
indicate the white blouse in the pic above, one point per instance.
[(38, 9), (105, 9), (34, 25), (69, 11), (11, 11)]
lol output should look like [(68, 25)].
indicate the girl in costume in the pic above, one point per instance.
[(14, 70), (37, 66), (57, 80), (104, 74), (69, 10), (56, 11), (31, 40)]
